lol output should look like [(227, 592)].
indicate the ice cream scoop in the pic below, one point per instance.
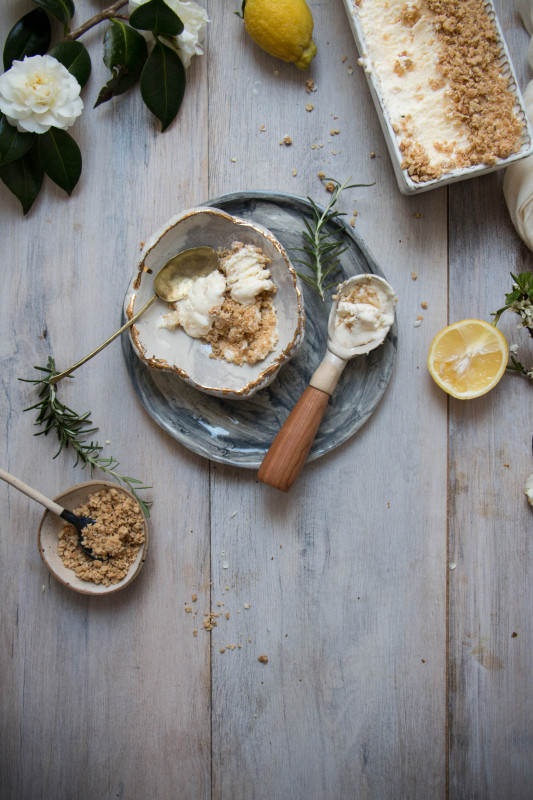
[(360, 319)]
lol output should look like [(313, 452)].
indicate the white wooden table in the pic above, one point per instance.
[(391, 589)]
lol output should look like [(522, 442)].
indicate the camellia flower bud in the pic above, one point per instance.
[(39, 93)]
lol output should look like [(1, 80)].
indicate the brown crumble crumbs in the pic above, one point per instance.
[(424, 304), (116, 536), (310, 86), (330, 187), (309, 106), (263, 659), (481, 98)]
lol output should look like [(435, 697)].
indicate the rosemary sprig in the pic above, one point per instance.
[(73, 429), (322, 253)]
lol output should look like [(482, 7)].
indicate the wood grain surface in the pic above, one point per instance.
[(390, 590)]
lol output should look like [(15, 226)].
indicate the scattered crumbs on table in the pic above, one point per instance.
[(453, 565), (262, 128), (372, 154), (247, 605), (233, 515), (352, 222), (287, 141), (141, 245), (506, 465), (294, 173), (418, 322), (350, 69), (225, 565), (414, 276), (195, 633), (424, 304), (188, 609), (194, 597), (417, 215), (276, 73), (334, 132), (344, 59), (263, 659), (43, 588), (310, 86), (514, 635), (321, 175), (423, 660), (309, 106), (330, 187), (227, 614), (233, 160)]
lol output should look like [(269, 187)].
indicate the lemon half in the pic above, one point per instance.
[(468, 358), (284, 28)]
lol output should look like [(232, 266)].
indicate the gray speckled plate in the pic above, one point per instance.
[(239, 432)]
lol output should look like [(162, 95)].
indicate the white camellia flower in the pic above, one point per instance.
[(195, 20), (39, 93)]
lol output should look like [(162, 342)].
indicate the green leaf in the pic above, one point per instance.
[(163, 83), (125, 54), (30, 36), (157, 17), (13, 144), (24, 178), (74, 56), (63, 10), (60, 158)]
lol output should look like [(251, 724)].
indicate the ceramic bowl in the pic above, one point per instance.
[(48, 536), (173, 350)]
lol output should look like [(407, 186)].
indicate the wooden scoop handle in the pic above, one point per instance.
[(286, 456)]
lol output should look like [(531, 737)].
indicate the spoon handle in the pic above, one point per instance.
[(56, 378), (286, 456), (55, 508)]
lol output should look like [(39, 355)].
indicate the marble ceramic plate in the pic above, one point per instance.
[(239, 432)]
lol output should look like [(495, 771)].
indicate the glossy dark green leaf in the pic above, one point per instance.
[(125, 54), (24, 178), (30, 36), (63, 10), (13, 144), (156, 16), (74, 56), (163, 83), (60, 158)]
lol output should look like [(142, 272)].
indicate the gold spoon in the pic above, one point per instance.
[(171, 283)]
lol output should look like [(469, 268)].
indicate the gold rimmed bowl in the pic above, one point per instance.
[(176, 352)]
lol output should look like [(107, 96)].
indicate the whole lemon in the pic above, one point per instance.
[(284, 28)]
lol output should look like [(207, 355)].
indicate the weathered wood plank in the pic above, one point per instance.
[(490, 457), (102, 697), (345, 576)]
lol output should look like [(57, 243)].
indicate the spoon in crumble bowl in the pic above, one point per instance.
[(80, 523), (359, 321), (171, 284)]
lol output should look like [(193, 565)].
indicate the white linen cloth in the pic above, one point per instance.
[(518, 185)]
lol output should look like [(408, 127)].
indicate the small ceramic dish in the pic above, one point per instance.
[(48, 537), (173, 350)]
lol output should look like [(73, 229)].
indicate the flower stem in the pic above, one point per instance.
[(107, 13)]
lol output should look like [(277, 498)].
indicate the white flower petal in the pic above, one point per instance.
[(39, 93)]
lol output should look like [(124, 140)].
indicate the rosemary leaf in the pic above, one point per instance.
[(323, 253), (72, 430)]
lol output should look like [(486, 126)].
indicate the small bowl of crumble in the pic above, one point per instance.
[(232, 329), (117, 539)]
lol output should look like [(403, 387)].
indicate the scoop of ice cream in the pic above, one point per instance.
[(193, 312), (246, 272)]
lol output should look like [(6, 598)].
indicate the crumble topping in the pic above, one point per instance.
[(116, 537), (459, 109)]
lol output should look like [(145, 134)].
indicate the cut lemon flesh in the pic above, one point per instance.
[(468, 358)]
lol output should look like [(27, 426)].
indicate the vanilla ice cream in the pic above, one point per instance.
[(365, 312), (195, 313), (247, 274), (438, 68)]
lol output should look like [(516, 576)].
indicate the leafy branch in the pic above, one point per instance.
[(161, 74), (72, 430), (519, 301), (321, 250)]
